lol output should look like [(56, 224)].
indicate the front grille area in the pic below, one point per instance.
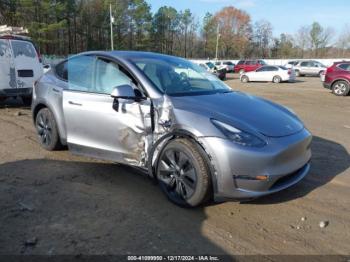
[(287, 178)]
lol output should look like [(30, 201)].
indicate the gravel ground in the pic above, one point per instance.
[(56, 203)]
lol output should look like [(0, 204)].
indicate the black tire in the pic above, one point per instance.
[(276, 79), (341, 88), (183, 174), (245, 79), (47, 131), (27, 100)]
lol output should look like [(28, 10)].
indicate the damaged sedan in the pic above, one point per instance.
[(194, 135)]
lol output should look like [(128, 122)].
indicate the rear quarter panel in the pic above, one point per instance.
[(48, 92)]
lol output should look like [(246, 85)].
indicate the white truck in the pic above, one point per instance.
[(20, 64)]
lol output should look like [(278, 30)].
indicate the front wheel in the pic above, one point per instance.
[(183, 173), (341, 88), (47, 130)]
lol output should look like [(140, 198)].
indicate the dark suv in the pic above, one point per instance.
[(248, 65), (337, 78)]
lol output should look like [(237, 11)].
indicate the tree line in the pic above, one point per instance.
[(62, 27)]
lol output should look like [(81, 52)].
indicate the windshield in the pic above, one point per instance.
[(210, 65), (175, 76)]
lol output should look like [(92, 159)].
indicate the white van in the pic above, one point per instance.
[(20, 67)]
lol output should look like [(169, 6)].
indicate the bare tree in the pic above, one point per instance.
[(263, 37), (343, 42), (302, 40)]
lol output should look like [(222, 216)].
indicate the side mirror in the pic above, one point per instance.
[(125, 92)]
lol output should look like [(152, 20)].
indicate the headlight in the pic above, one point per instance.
[(238, 136)]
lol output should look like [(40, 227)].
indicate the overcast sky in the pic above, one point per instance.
[(286, 16)]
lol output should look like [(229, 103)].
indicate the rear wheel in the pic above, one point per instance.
[(183, 173), (244, 79), (341, 88), (47, 130), (276, 79)]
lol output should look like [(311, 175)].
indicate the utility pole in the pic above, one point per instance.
[(111, 19), (217, 41)]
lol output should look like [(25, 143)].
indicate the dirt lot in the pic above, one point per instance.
[(56, 203)]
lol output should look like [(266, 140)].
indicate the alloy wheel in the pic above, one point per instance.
[(177, 174), (44, 129), (339, 88)]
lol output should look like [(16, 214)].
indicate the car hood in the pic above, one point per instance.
[(243, 111)]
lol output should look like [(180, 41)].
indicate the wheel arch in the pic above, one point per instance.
[(35, 112), (166, 139), (339, 79)]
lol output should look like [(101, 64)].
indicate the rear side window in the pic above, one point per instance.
[(271, 68), (345, 66), (241, 62), (61, 70), (80, 73)]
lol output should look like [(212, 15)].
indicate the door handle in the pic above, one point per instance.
[(74, 104)]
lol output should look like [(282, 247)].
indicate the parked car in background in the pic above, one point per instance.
[(309, 67), (175, 128), (291, 64), (20, 67), (210, 67), (337, 78), (227, 65), (248, 65), (276, 74)]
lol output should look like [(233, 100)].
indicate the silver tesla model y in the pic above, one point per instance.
[(191, 132)]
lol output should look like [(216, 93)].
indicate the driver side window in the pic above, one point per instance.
[(108, 75)]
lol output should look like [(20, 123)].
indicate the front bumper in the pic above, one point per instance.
[(11, 92), (284, 162)]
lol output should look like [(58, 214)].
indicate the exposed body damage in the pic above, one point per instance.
[(192, 133)]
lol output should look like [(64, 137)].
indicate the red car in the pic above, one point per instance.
[(337, 78), (248, 65)]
